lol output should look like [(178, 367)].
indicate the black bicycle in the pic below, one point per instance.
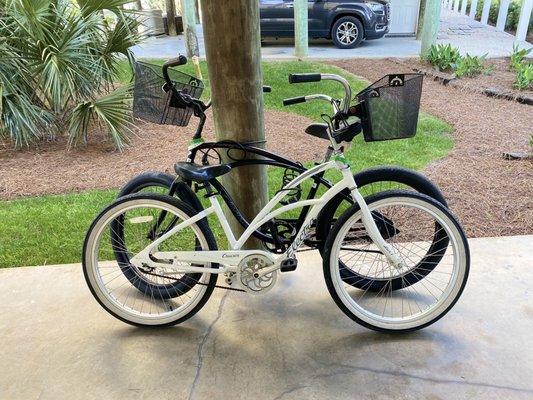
[(168, 96)]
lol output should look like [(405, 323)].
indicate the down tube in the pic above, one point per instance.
[(266, 213)]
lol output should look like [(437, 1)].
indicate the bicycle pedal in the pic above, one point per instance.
[(288, 265)]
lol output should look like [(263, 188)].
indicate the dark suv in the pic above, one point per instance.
[(346, 22)]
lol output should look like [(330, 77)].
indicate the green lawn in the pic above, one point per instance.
[(50, 229)]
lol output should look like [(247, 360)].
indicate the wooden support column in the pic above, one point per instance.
[(485, 12), (430, 25), (188, 15), (421, 18), (171, 17), (233, 52), (301, 30), (502, 14), (473, 9), (523, 22)]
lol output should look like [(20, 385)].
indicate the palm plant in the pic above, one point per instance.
[(58, 61)]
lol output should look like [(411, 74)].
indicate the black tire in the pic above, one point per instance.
[(147, 288), (409, 178), (349, 42), (403, 176), (146, 180), (348, 214), (149, 181)]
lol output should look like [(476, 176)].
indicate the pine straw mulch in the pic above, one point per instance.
[(491, 196), (52, 169), (499, 82)]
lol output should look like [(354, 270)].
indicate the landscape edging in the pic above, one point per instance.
[(451, 80)]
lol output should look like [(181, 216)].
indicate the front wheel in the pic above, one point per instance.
[(347, 32), (142, 294), (412, 296)]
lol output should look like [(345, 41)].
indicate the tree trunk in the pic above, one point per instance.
[(233, 51), (139, 5), (171, 17), (301, 32), (189, 27), (430, 26)]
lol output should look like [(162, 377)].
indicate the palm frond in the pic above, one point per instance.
[(56, 57), (112, 110)]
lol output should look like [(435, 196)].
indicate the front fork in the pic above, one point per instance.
[(370, 224)]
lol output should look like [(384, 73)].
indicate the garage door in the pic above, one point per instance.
[(404, 17)]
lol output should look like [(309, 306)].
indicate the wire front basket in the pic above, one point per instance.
[(390, 107), (152, 103)]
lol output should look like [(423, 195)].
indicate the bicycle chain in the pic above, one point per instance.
[(199, 283)]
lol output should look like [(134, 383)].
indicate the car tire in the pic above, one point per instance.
[(347, 32)]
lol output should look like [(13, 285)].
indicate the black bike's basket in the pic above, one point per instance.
[(152, 103), (390, 107)]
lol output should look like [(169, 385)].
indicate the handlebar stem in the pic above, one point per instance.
[(347, 89)]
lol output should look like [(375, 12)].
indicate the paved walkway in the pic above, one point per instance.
[(291, 343), (470, 36)]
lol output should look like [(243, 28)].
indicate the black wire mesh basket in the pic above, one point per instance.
[(153, 101), (390, 107)]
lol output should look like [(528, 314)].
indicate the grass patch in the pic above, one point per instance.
[(50, 229)]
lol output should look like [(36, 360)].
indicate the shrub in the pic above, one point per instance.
[(443, 57), (524, 77), (471, 66), (517, 57), (58, 60)]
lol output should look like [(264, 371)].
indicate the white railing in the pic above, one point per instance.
[(523, 22)]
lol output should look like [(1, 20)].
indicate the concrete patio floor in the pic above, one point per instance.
[(291, 343), (469, 36)]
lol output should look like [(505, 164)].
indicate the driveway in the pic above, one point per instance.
[(468, 35), (291, 343)]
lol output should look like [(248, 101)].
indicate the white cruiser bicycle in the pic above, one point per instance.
[(152, 260)]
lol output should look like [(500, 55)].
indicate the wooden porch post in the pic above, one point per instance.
[(523, 22), (430, 25), (189, 28), (233, 51), (421, 18), (171, 17), (301, 32)]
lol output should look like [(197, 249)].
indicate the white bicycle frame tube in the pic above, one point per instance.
[(231, 258)]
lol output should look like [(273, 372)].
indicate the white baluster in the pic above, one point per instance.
[(473, 9), (485, 13), (463, 6), (523, 22), (502, 15)]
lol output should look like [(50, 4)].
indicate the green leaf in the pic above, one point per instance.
[(113, 110)]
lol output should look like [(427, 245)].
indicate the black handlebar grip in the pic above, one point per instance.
[(267, 89), (294, 100), (173, 62), (301, 78)]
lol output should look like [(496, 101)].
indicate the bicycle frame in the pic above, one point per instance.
[(230, 259)]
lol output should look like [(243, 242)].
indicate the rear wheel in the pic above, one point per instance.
[(401, 304), (347, 32)]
